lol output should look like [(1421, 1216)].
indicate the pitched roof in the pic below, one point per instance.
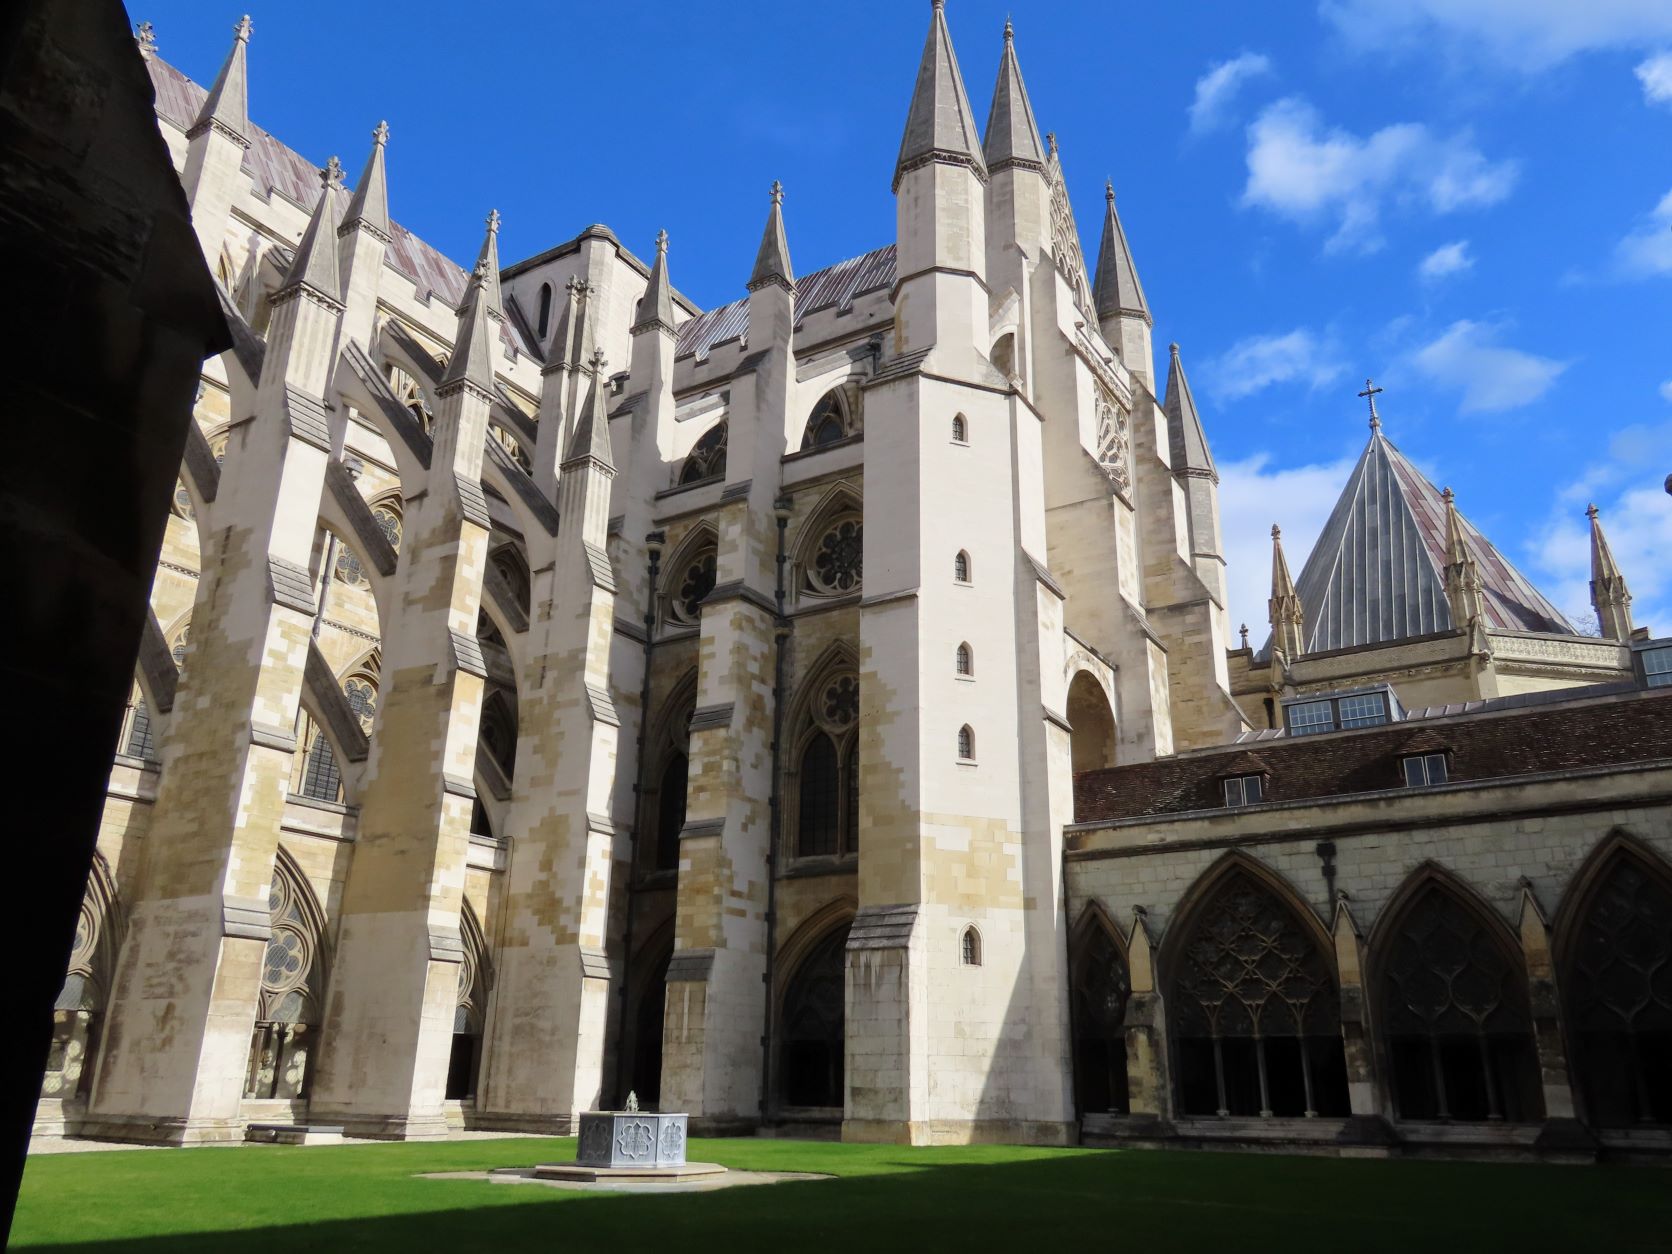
[(1012, 133), (1377, 572), (838, 285), (1116, 290), (275, 168), (939, 122)]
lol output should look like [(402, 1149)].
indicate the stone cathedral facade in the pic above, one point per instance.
[(524, 717)]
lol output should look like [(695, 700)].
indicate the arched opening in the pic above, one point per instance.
[(960, 429), (1454, 1012), (1092, 741), (812, 1027), (670, 810), (666, 779), (1255, 1012), (292, 989), (822, 776), (510, 563), (964, 660), (497, 730), (1618, 979), (969, 947), (650, 1007), (1004, 355), (690, 575), (139, 737), (707, 458), (544, 321), (78, 1014), (464, 1061), (1100, 985), (820, 797), (966, 743), (315, 772), (831, 422), (961, 567)]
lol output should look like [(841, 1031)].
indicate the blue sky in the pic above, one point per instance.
[(1470, 200)]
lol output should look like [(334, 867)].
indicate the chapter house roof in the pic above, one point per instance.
[(1377, 573)]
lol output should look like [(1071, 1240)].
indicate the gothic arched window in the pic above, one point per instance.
[(387, 515), (1254, 1008), (78, 1014), (688, 582), (1619, 987), (813, 1028), (666, 779), (707, 458), (830, 421), (965, 660), (470, 1011), (960, 429), (139, 739), (361, 691), (292, 981), (498, 728), (966, 743), (543, 324), (1455, 1015), (969, 948), (961, 567), (315, 773), (1100, 986), (826, 769)]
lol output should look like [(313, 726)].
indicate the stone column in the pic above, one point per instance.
[(394, 984), (190, 972), (1562, 1135)]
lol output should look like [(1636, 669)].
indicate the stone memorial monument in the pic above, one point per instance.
[(627, 1145)]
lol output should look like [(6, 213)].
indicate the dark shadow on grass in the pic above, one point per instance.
[(1171, 1201)]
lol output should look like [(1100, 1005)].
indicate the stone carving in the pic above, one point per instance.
[(1065, 236), (1112, 442), (630, 1138)]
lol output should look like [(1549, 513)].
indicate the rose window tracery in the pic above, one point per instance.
[(362, 699), (841, 703), (389, 523), (695, 583), (838, 564)]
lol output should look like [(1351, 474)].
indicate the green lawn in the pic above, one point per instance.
[(1034, 1201)]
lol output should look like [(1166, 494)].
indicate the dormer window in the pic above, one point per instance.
[(1245, 790), (1425, 770), (1657, 666), (1311, 716)]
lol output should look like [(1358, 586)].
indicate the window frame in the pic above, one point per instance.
[(960, 430), (1658, 649), (966, 745), (963, 661), (1347, 711), (1238, 786), (1425, 763)]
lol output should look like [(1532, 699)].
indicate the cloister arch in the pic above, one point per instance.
[(811, 1018), (1100, 983)]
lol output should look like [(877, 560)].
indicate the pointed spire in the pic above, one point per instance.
[(656, 305), (1116, 290), (559, 355), (369, 206), (1462, 572), (1287, 618), (472, 359), (939, 124), (489, 257), (315, 263), (772, 262), (1609, 595), (226, 108), (592, 431), (1012, 134), (1189, 443)]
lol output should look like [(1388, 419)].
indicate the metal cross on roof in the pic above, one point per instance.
[(1369, 394)]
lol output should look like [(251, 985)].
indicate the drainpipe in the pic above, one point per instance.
[(653, 547), (775, 805)]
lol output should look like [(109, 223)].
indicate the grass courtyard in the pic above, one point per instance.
[(370, 1197)]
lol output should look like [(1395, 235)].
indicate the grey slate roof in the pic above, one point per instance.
[(835, 286), (1012, 133), (1376, 574), (1187, 441), (939, 122), (1116, 290)]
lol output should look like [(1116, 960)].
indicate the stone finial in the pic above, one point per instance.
[(145, 35), (1173, 350), (1591, 511), (1450, 497), (777, 192), (493, 221), (632, 1103), (598, 361), (480, 273), (332, 174), (380, 134), (1276, 532), (662, 242), (1243, 632), (1109, 192), (1051, 142), (1009, 30), (243, 29)]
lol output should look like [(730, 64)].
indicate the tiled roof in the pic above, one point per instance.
[(273, 167), (838, 285), (1377, 573), (1493, 744)]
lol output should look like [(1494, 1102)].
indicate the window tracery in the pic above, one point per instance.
[(825, 779), (1454, 1008), (292, 971), (966, 743), (361, 691), (690, 582), (1100, 987), (1620, 995), (1065, 239), (1255, 1010), (1112, 455), (182, 640), (470, 1010), (707, 458), (314, 771), (834, 419), (409, 394), (183, 501), (837, 567)]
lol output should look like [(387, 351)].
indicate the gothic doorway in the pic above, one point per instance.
[(812, 1027), (1100, 983), (644, 1074)]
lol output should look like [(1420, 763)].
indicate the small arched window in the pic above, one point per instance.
[(966, 743), (545, 310), (960, 430), (961, 567), (970, 949), (966, 660), (820, 793)]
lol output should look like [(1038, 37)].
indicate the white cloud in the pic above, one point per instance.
[(1647, 251), (1636, 517), (1303, 171), (1666, 391), (1656, 76), (1446, 260), (1216, 89), (1259, 361), (1528, 35), (1491, 378), (1254, 494)]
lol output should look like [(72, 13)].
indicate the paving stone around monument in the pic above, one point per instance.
[(720, 1178)]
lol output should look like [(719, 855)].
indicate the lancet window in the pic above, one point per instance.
[(1255, 1009), (292, 987), (1619, 987), (1455, 1014), (138, 735), (315, 773), (707, 458), (825, 776), (1100, 986)]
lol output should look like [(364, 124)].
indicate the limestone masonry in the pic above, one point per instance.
[(524, 717)]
